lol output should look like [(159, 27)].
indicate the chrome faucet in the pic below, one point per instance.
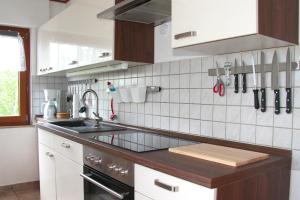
[(97, 118)]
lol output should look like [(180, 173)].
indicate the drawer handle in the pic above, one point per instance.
[(185, 35), (166, 186), (74, 62), (104, 55), (67, 146), (50, 154)]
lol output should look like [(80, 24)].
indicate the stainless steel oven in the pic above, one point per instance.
[(98, 186), (107, 176)]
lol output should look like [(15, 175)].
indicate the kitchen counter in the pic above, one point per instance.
[(205, 173)]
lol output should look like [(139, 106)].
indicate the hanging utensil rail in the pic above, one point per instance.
[(83, 81)]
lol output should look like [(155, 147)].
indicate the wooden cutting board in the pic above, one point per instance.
[(220, 154)]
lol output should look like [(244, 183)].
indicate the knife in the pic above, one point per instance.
[(274, 84), (236, 77), (255, 90), (288, 82), (244, 77), (262, 82)]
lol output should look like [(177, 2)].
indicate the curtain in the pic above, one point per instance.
[(12, 52)]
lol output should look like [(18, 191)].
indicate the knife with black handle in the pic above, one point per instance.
[(288, 82), (236, 78), (262, 83), (275, 84), (255, 90), (236, 83), (277, 102), (244, 79)]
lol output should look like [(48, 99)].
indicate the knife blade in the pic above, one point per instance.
[(244, 78), (274, 84), (288, 82), (255, 90), (236, 77), (262, 82)]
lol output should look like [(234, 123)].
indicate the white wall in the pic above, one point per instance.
[(18, 146), (56, 8), (18, 155), (26, 13)]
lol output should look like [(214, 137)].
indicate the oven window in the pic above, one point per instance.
[(92, 190)]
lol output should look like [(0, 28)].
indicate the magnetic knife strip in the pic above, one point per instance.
[(248, 69)]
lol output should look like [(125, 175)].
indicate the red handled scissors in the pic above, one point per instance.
[(219, 86)]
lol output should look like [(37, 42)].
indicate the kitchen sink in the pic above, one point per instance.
[(82, 126)]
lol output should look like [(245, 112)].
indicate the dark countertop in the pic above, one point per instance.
[(205, 173)]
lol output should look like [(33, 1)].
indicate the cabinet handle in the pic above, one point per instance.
[(185, 35), (166, 186), (74, 62), (50, 154), (67, 146), (104, 54)]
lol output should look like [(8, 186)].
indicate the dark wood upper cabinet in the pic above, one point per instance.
[(279, 19), (134, 41), (234, 25)]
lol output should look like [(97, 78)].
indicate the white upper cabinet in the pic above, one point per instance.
[(212, 20), (216, 27), (76, 37)]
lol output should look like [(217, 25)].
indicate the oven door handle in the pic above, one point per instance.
[(110, 191)]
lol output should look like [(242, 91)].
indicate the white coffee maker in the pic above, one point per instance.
[(52, 103)]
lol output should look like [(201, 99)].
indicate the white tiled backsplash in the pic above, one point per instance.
[(38, 84), (187, 103)]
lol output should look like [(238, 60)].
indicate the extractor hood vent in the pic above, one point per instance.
[(142, 11)]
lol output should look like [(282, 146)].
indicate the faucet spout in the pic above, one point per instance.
[(98, 119)]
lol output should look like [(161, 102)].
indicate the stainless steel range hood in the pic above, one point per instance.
[(142, 11)]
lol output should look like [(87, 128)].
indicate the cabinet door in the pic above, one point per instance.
[(202, 21), (47, 173), (47, 52), (69, 183), (138, 196)]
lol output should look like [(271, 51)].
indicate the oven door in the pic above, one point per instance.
[(98, 186)]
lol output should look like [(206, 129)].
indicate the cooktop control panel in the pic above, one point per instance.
[(109, 164)]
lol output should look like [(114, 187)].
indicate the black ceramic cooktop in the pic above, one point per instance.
[(141, 141)]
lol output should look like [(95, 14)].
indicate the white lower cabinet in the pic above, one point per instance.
[(69, 184), (59, 174), (138, 196), (47, 173), (160, 186)]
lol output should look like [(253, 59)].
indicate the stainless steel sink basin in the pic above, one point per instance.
[(82, 126)]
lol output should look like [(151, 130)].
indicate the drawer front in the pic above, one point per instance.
[(46, 138), (138, 196), (69, 149), (157, 185)]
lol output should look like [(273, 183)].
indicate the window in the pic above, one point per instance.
[(14, 76)]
